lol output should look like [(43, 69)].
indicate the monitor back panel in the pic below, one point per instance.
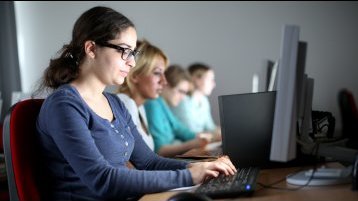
[(246, 126)]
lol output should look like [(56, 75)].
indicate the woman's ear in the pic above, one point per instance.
[(134, 78), (90, 48)]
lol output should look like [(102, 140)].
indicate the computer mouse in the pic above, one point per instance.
[(187, 196)]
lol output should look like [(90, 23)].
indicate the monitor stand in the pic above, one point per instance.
[(321, 177), (327, 176)]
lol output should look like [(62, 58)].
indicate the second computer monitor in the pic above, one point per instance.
[(246, 126)]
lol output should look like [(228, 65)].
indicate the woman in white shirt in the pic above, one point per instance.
[(145, 81)]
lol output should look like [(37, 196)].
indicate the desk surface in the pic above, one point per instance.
[(268, 176)]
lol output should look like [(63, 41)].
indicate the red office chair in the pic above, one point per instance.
[(22, 155)]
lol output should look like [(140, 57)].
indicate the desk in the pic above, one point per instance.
[(325, 193)]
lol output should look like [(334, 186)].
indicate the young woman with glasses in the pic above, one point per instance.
[(87, 135)]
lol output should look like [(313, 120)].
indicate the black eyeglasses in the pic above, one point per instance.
[(127, 53), (182, 91)]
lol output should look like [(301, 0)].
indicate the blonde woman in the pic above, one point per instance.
[(143, 82)]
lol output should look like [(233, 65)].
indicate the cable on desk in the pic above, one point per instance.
[(271, 186)]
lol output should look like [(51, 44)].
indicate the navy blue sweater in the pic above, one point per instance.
[(86, 155)]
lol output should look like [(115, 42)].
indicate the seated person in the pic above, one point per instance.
[(143, 82), (194, 111), (170, 136), (87, 135)]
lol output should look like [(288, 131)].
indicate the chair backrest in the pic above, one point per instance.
[(349, 113), (22, 155)]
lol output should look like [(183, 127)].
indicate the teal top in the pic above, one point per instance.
[(195, 114), (163, 125)]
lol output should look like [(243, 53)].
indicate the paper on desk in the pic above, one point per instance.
[(186, 188)]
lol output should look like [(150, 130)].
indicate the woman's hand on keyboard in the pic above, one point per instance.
[(204, 170)]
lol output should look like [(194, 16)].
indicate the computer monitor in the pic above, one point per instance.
[(261, 79), (290, 83), (246, 127)]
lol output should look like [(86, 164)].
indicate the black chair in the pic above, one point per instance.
[(349, 115)]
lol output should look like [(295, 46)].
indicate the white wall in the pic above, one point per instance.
[(232, 37)]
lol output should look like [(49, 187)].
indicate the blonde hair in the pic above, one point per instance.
[(144, 65)]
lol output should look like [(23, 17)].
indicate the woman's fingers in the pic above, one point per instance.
[(224, 165), (211, 174), (225, 159), (202, 171)]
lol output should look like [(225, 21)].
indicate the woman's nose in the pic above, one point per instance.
[(163, 80)]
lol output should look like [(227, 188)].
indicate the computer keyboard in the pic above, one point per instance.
[(243, 183)]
